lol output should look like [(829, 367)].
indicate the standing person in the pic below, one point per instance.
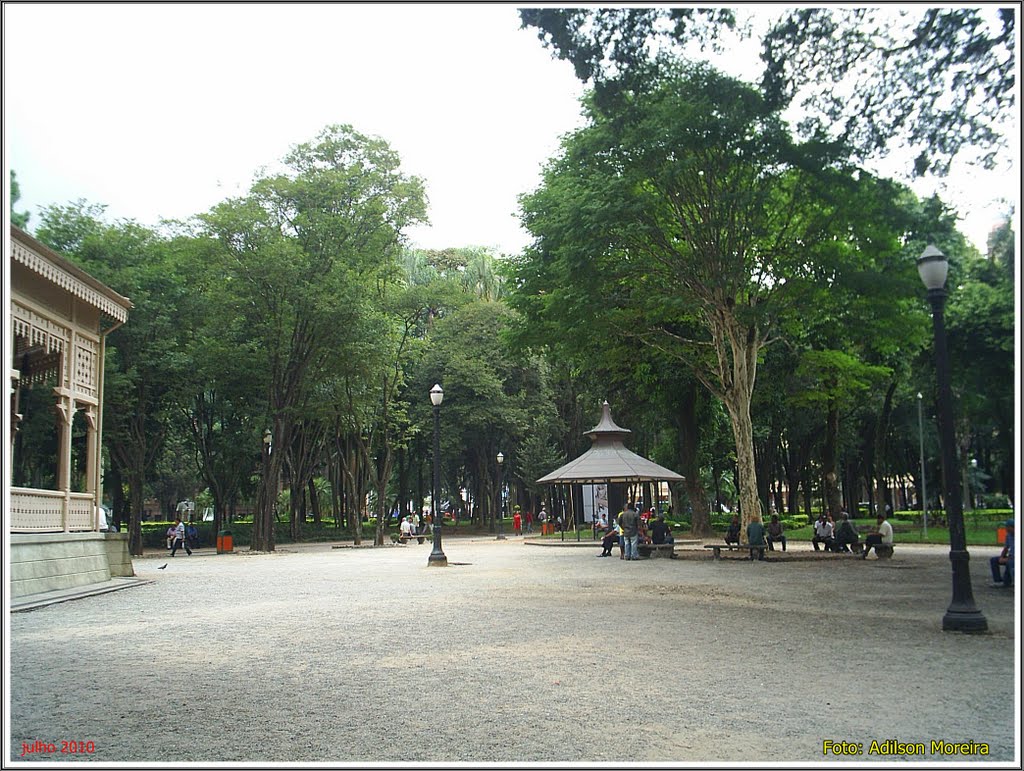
[(192, 535), (517, 523), (529, 521), (881, 535), (179, 537), (542, 517), (1005, 558), (629, 521), (775, 533)]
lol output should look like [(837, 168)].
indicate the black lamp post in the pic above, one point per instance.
[(924, 484), (437, 558), (962, 614), (501, 499)]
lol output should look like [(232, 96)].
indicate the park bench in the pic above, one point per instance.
[(883, 551), (404, 539), (716, 548), (657, 550)]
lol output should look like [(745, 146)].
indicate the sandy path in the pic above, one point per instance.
[(516, 653)]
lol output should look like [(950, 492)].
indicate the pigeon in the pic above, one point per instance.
[(162, 566)]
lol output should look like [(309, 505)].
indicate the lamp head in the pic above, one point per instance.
[(436, 395), (501, 458), (267, 437), (932, 266)]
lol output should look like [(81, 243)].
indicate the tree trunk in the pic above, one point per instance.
[(881, 435), (830, 473), (689, 464), (136, 481)]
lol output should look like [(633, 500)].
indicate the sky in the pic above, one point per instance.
[(163, 110)]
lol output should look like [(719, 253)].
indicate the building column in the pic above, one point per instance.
[(92, 462), (16, 416), (66, 417)]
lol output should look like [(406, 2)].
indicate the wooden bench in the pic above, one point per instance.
[(883, 550), (657, 550), (717, 548), (405, 539)]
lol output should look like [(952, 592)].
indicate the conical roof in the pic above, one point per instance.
[(608, 460)]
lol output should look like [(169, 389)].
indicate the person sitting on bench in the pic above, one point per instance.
[(755, 537), (881, 535), (775, 534), (846, 534), (732, 535), (1001, 577), (660, 531), (823, 533), (611, 537)]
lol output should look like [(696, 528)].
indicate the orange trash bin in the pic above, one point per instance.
[(225, 543)]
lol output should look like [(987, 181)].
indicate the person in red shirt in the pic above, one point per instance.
[(517, 523)]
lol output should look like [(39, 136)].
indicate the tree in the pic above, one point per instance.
[(941, 83), (692, 210), (299, 254), (940, 80), (18, 219)]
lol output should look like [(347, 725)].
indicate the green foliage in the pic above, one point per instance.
[(18, 219), (936, 80)]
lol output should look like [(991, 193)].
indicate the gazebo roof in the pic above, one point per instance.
[(608, 460)]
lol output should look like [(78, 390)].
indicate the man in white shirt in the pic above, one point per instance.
[(823, 534), (882, 535), (406, 527), (179, 537)]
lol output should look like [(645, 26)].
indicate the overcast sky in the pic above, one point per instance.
[(160, 111)]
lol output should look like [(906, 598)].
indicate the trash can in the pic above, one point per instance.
[(224, 542)]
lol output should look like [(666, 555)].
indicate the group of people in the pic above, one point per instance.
[(841, 538), (827, 535), (631, 529), (519, 520)]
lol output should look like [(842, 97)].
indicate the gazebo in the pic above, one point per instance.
[(608, 461)]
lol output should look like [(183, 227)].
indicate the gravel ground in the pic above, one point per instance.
[(514, 653)]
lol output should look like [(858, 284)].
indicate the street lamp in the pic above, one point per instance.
[(972, 493), (501, 512), (437, 558), (962, 614), (924, 486)]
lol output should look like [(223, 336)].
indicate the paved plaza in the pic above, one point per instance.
[(517, 653)]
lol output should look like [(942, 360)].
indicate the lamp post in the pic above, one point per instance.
[(437, 558), (924, 486), (962, 614), (501, 499), (972, 492)]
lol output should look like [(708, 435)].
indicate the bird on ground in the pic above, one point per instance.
[(162, 566)]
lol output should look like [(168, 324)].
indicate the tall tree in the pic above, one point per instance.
[(298, 253), (940, 80), (691, 208)]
